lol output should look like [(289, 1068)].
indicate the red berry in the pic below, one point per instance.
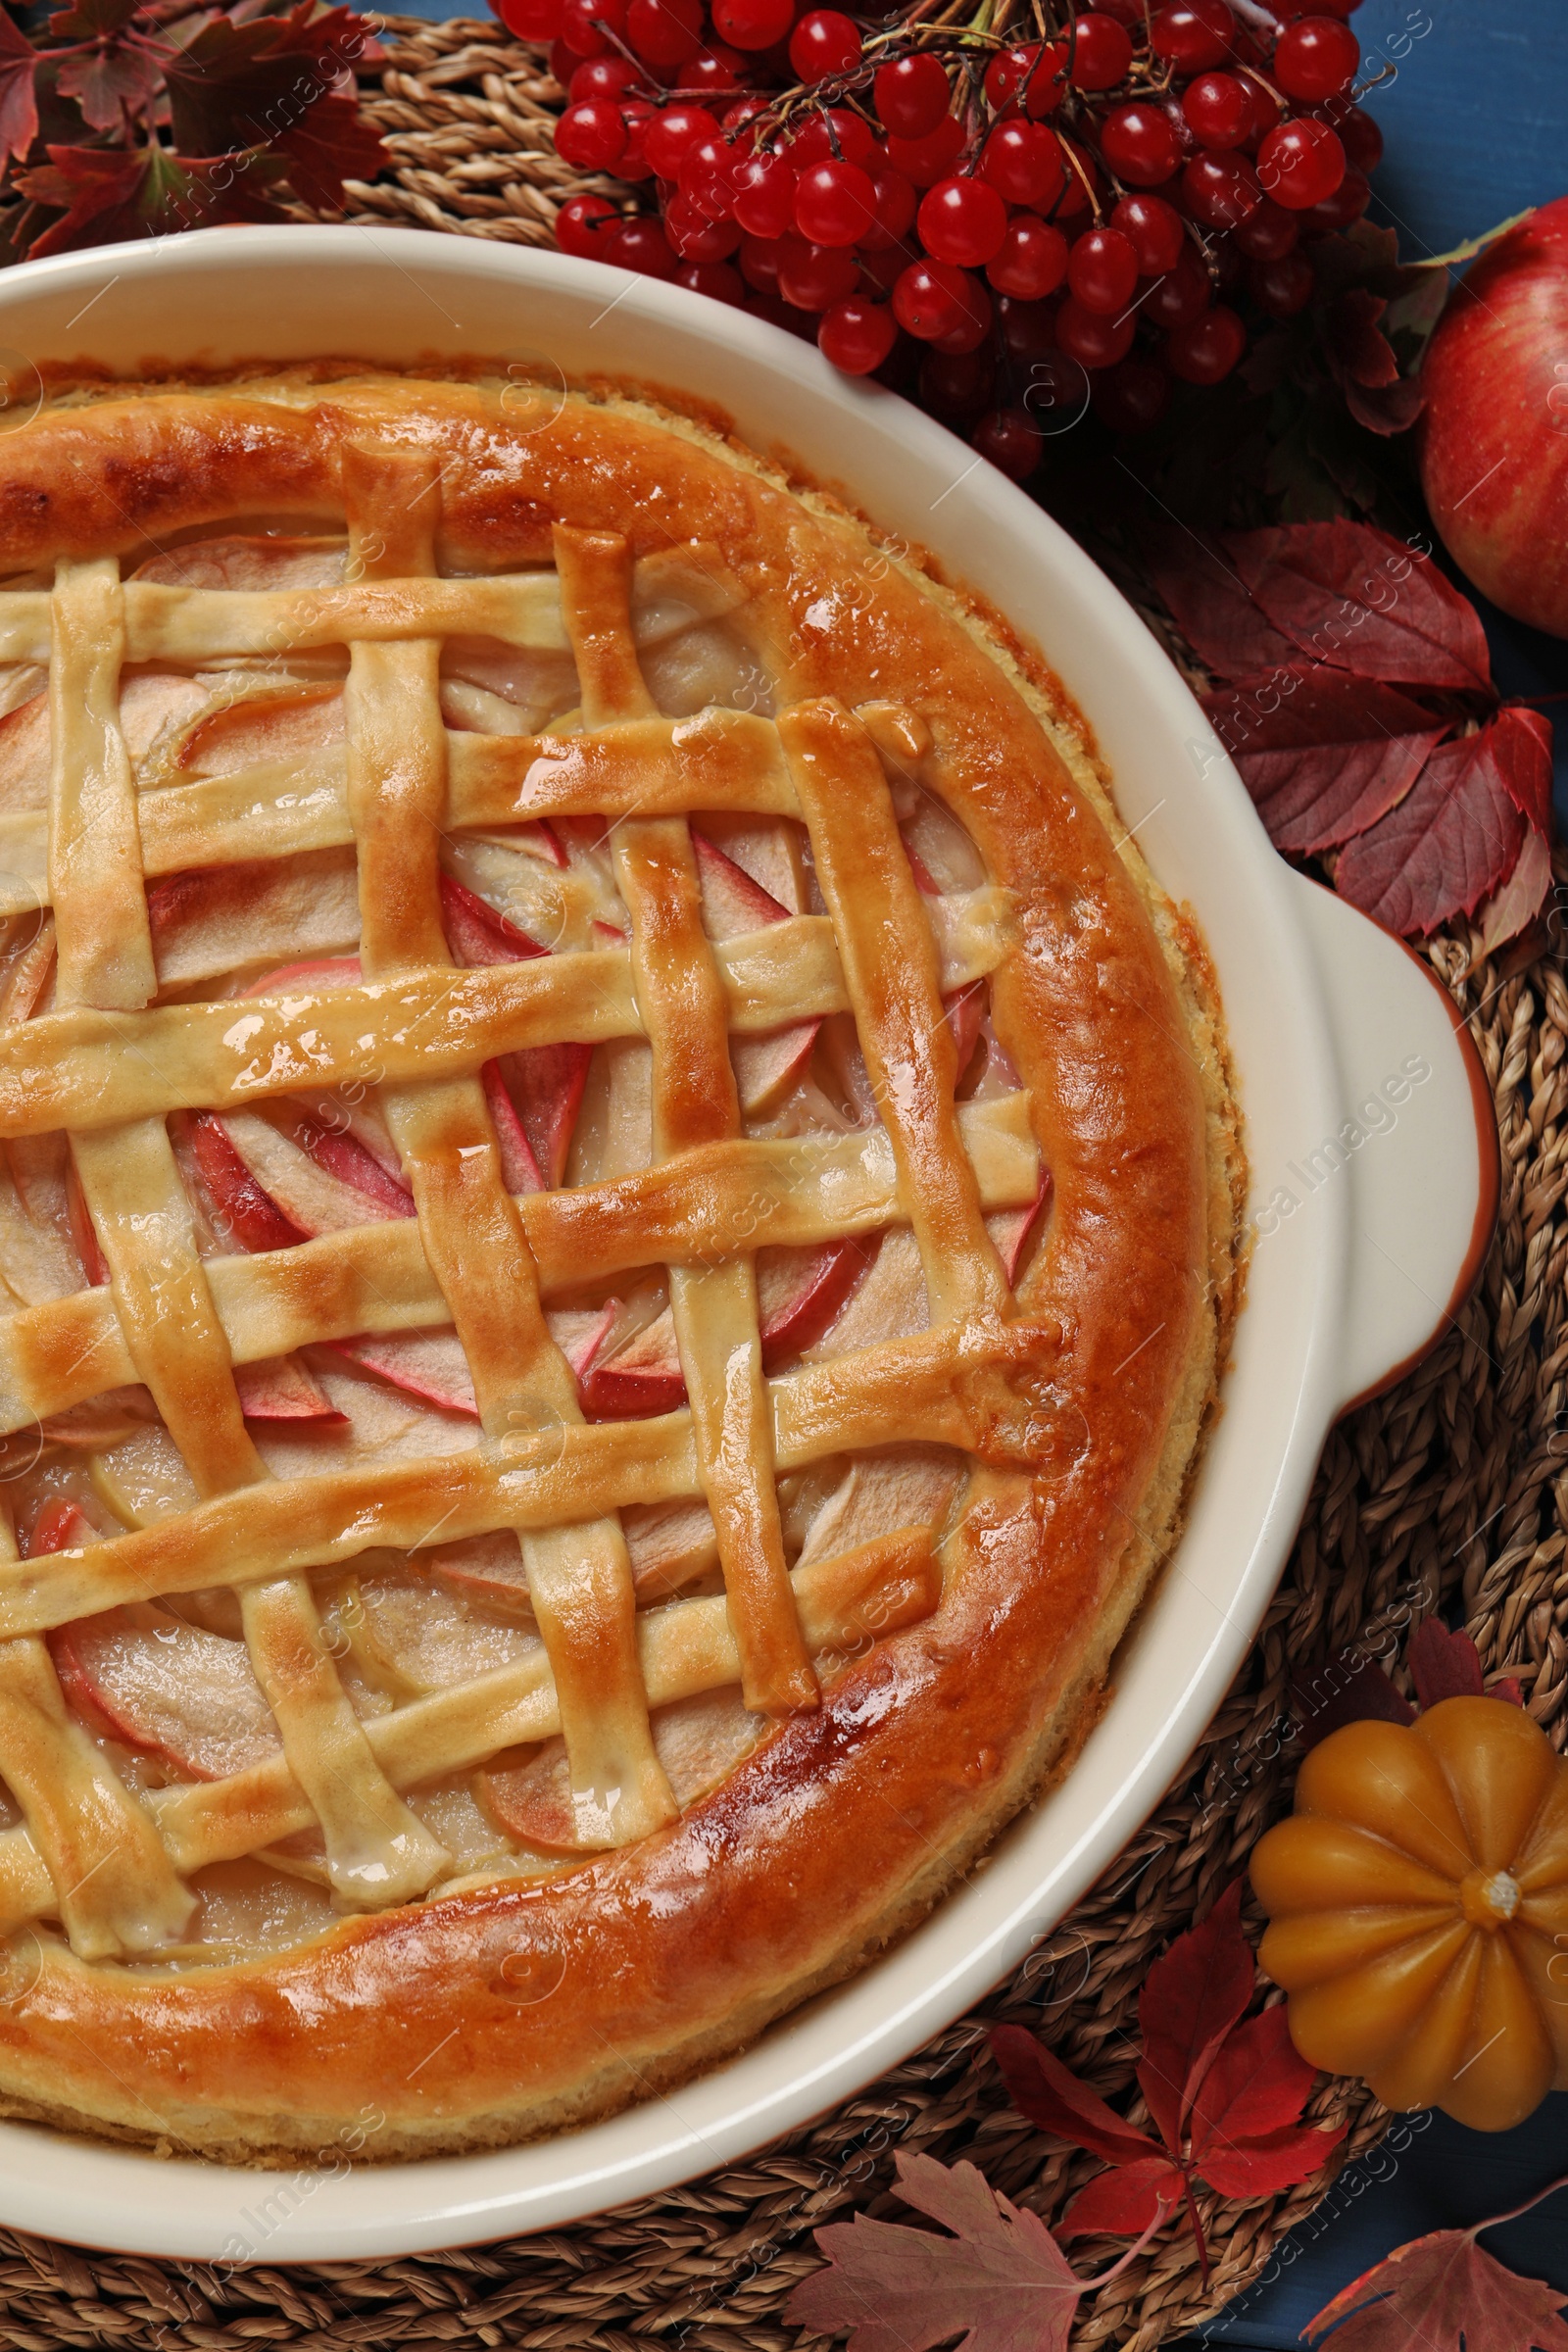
[(581, 225), (1269, 233), (895, 203), (1031, 78), (1028, 328), (962, 220), (665, 32), (1207, 347), (671, 132), (764, 194), (1315, 57), (636, 114), (1360, 137), (933, 299), (694, 236), (532, 19), (758, 259), (713, 71), (857, 335), (601, 78), (716, 280), (1032, 261), (1139, 143), (641, 245), (1024, 162), (583, 25), (593, 137), (835, 204), (1282, 288), (1103, 271), (1081, 177), (927, 160), (814, 276), (1191, 35), (1089, 337), (832, 135), (1218, 108), (1347, 202), (975, 326), (1182, 294), (563, 64), (1301, 163), (1102, 53), (707, 170), (824, 42), (1010, 439), (753, 23), (1154, 230), (1134, 396), (912, 95), (1220, 190), (957, 385)]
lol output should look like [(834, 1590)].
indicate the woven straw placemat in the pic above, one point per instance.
[(1453, 1486)]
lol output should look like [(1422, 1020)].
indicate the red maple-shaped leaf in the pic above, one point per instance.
[(999, 2283), (1359, 599), (105, 80), (1348, 1689), (330, 145), (254, 84), (1225, 2095), (113, 194), (1445, 2294), (1323, 754), (18, 101), (1454, 836)]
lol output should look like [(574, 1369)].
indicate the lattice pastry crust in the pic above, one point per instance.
[(616, 1229)]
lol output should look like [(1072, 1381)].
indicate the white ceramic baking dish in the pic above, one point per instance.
[(1368, 1130)]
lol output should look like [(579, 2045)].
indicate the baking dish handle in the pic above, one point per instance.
[(1416, 1146)]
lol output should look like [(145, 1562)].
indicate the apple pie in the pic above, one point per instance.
[(617, 1223)]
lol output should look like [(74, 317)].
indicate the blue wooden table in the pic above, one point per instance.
[(1474, 114)]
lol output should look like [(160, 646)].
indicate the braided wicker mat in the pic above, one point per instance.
[(1454, 1483)]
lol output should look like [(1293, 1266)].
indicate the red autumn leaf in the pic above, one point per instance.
[(110, 194), (1347, 1693), (1263, 2166), (1127, 2201), (1518, 901), (330, 145), (1204, 593), (1257, 2084), (1443, 1665), (106, 81), (1445, 2294), (1323, 754), (1358, 351), (1392, 409), (18, 102), (1042, 2088), (253, 84), (1192, 1997), (1522, 748), (999, 2284), (1450, 841), (92, 20), (1352, 596)]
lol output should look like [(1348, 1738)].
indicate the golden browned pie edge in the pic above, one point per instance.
[(842, 1828)]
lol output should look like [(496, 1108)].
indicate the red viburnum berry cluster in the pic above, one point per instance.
[(1091, 203)]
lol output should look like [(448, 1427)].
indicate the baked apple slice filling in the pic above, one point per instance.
[(169, 1690)]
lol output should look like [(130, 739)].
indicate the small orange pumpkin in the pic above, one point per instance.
[(1418, 1908)]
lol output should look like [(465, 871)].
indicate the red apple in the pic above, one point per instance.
[(190, 1697), (280, 1387), (1495, 432)]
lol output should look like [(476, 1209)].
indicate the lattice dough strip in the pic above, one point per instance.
[(168, 1323), (103, 941), (91, 1854), (716, 1201), (681, 1002), (684, 1649), (88, 1069), (925, 1389), (892, 971), (580, 1583), (280, 807)]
